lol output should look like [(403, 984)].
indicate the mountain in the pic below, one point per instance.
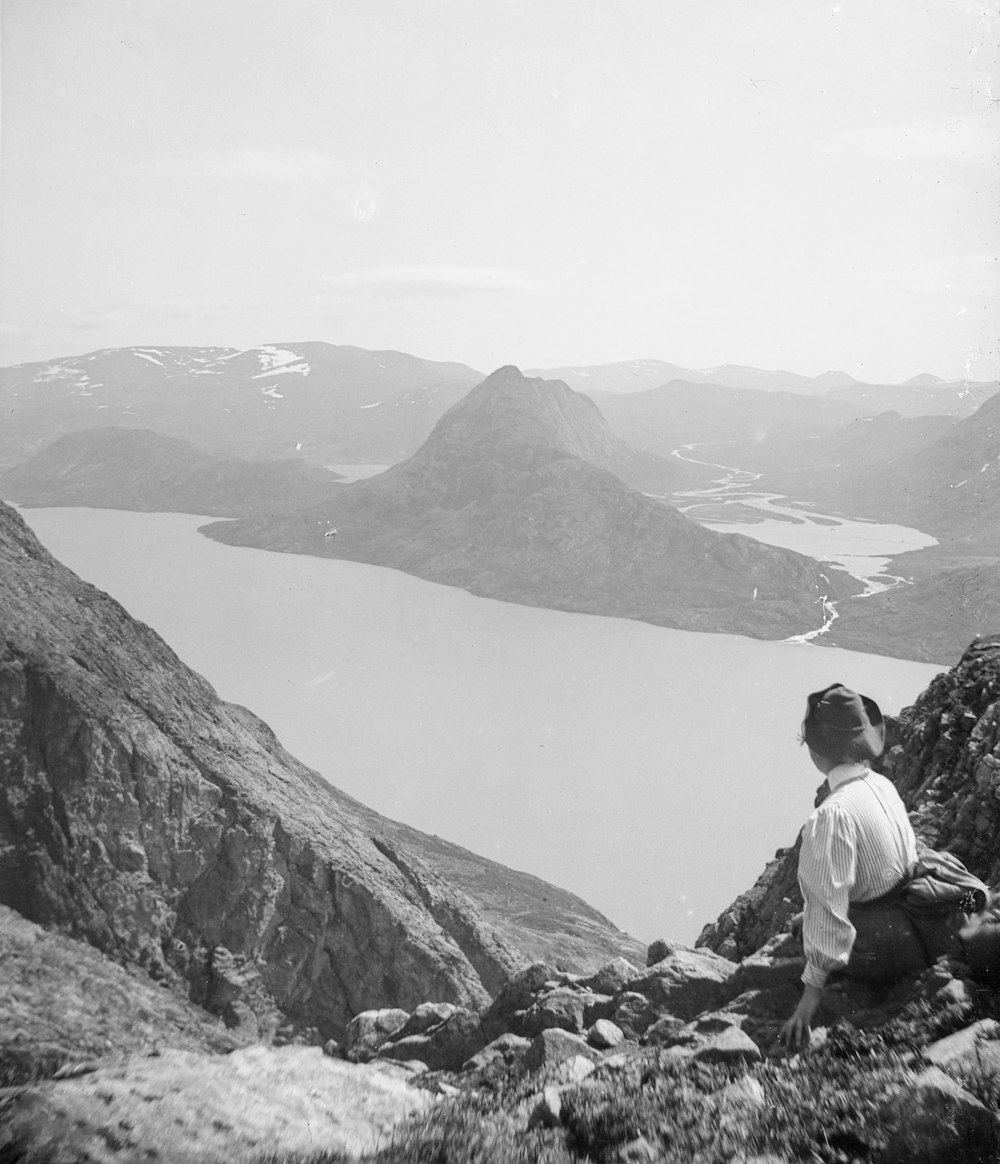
[(939, 474), (923, 395), (135, 468), (623, 377), (173, 832), (683, 412), (322, 401), (509, 498)]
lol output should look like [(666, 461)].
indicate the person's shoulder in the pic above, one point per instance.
[(832, 811)]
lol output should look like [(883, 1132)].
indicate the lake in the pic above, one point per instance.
[(651, 771)]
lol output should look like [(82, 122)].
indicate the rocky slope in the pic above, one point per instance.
[(672, 1058), (506, 498), (324, 402), (136, 468), (172, 831)]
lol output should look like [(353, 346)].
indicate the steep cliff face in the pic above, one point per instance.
[(943, 755), (172, 830)]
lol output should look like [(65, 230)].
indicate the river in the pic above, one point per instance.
[(862, 549)]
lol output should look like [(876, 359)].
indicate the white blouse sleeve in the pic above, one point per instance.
[(827, 869)]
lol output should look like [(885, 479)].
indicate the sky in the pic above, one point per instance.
[(777, 183)]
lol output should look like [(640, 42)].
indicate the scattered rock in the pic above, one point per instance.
[(554, 1045), (570, 1072), (612, 978), (605, 1034), (661, 948), (507, 1047), (444, 1047), (977, 1047), (664, 1032), (687, 983), (562, 1008), (548, 1111), (634, 1013), (637, 1151), (728, 1046), (742, 1095), (367, 1031)]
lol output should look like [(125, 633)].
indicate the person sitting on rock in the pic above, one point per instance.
[(858, 852)]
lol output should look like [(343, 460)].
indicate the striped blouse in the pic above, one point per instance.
[(855, 847)]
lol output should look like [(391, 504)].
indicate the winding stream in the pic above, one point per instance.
[(862, 549)]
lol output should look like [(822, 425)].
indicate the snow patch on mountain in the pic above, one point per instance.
[(301, 369), (271, 357)]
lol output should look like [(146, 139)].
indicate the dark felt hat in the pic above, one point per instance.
[(839, 721)]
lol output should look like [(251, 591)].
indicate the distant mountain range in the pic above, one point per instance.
[(511, 497), (318, 401), (331, 404), (923, 395), (683, 412)]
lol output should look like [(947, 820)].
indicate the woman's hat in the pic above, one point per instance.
[(840, 721)]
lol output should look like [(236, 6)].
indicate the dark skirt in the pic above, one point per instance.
[(888, 945)]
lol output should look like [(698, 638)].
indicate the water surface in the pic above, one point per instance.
[(651, 771)]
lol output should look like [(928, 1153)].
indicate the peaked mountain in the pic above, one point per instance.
[(504, 499), (172, 831), (134, 468), (322, 401)]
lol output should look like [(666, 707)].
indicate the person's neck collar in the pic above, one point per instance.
[(844, 772)]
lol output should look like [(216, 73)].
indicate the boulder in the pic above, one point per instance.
[(687, 983), (729, 1045), (367, 1031), (552, 1046), (426, 1017), (254, 1104), (936, 1121), (547, 1112), (605, 1034), (634, 1013), (563, 1008), (664, 1032), (444, 1047), (976, 1048), (516, 995), (777, 963), (661, 948), (505, 1049), (613, 977)]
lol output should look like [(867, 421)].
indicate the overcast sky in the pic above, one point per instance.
[(783, 183)]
